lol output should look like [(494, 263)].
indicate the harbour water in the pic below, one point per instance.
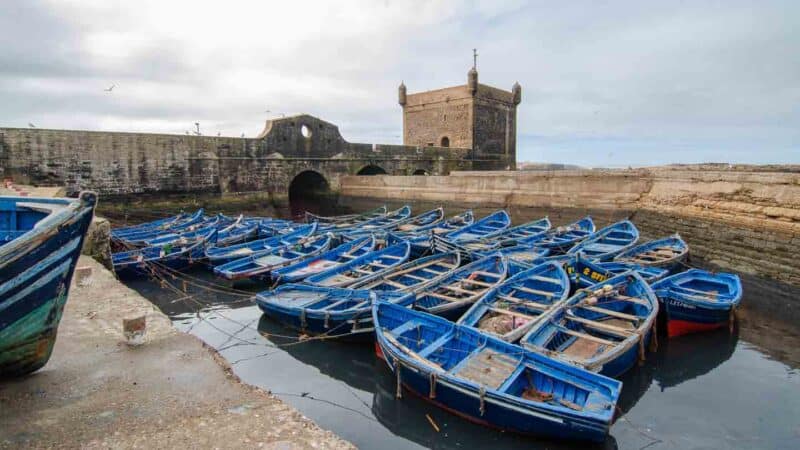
[(737, 390), (712, 390)]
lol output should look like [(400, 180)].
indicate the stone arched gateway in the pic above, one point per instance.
[(309, 190), (372, 169)]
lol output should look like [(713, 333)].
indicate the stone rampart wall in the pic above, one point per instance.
[(745, 219)]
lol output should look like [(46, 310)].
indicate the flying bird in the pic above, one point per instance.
[(110, 88), (31, 125)]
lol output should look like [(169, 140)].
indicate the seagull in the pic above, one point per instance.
[(110, 88), (31, 125)]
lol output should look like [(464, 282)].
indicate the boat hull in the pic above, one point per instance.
[(684, 318), (495, 413), (355, 327), (34, 286)]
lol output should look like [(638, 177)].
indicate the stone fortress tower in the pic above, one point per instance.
[(474, 116)]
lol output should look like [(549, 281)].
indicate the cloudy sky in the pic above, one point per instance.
[(604, 83)]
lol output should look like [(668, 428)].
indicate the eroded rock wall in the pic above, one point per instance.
[(741, 218)]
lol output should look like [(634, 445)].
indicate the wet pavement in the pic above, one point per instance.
[(712, 390)]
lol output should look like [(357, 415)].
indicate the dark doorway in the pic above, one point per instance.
[(445, 141), (371, 170), (309, 191), (420, 172)]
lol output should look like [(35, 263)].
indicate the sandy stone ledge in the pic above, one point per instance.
[(172, 392)]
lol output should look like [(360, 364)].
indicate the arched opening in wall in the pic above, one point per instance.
[(310, 191), (371, 169), (420, 172), (445, 142)]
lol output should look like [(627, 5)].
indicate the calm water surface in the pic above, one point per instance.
[(712, 390), (707, 391)]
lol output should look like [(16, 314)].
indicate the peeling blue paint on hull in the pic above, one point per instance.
[(36, 269)]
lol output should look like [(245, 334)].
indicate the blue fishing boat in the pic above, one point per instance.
[(160, 224), (455, 240), (261, 264), (386, 221), (604, 329), (327, 311), (491, 224), (269, 227), (520, 232), (525, 254), (222, 255), (242, 230), (492, 382), (180, 238), (138, 238), (453, 223), (346, 312), (40, 241), (407, 225), (413, 275), (363, 268), (175, 255), (512, 308), (420, 222), (587, 273), (346, 218), (608, 242), (698, 300), (668, 252), (421, 238), (561, 239), (343, 253), (358, 220), (452, 295)]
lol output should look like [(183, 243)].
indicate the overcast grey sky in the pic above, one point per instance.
[(604, 83)]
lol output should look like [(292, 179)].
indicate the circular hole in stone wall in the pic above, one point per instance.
[(305, 131)]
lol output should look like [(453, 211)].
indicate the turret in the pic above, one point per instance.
[(472, 81), (401, 94), (516, 92)]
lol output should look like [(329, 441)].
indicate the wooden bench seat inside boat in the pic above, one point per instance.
[(487, 367)]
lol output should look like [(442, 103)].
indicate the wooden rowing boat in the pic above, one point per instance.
[(698, 300), (561, 239), (40, 242), (512, 308), (604, 329), (223, 255), (261, 264), (492, 382), (363, 268), (174, 254), (608, 242), (413, 275), (668, 252), (342, 254), (452, 295)]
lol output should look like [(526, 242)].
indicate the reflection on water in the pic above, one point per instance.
[(711, 390), (688, 357)]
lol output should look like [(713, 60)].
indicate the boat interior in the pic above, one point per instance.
[(522, 302), (17, 218), (417, 272), (459, 289), (593, 326), (471, 357)]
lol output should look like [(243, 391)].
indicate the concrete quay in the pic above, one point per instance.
[(171, 392)]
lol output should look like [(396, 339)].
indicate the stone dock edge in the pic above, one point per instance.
[(172, 391)]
